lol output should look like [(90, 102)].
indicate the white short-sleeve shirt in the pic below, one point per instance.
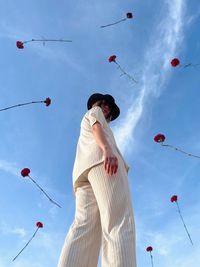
[(88, 152)]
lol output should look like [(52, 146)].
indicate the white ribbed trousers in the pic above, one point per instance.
[(103, 216)]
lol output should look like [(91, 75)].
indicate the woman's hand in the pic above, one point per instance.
[(110, 161)]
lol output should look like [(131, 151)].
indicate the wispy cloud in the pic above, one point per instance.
[(7, 230), (168, 252), (25, 263), (164, 44), (9, 167), (170, 243), (191, 18), (13, 33), (21, 263), (45, 241), (13, 169), (19, 231)]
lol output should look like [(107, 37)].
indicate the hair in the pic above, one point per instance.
[(97, 103)]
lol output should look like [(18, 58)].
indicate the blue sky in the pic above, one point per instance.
[(44, 139)]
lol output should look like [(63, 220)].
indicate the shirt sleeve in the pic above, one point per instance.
[(96, 114)]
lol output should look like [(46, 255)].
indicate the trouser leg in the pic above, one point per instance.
[(83, 241), (116, 213)]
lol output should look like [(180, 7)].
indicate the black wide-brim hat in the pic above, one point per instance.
[(108, 98)]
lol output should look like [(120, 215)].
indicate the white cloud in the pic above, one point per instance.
[(12, 32), (8, 229), (171, 245), (19, 231), (13, 169), (9, 167), (163, 46), (168, 250), (25, 263)]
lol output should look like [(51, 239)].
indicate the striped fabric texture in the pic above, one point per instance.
[(103, 219)]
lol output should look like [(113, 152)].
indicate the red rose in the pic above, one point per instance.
[(39, 225), (25, 172), (174, 198), (112, 58), (175, 62), (129, 15), (47, 101), (159, 138), (149, 249), (19, 44)]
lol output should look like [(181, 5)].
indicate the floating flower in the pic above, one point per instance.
[(150, 249), (113, 59), (176, 62), (38, 225), (47, 101), (20, 44), (25, 173), (159, 138), (129, 15), (174, 198)]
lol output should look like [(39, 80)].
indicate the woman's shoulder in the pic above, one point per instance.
[(95, 111), (93, 115), (96, 108)]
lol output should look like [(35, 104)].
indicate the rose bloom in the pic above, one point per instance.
[(174, 198), (159, 138), (175, 62), (47, 101), (112, 58), (25, 172), (39, 224), (149, 249), (129, 15), (19, 44)]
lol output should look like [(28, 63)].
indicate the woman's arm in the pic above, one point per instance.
[(110, 159), (100, 136)]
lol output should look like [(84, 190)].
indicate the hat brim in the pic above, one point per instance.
[(95, 97)]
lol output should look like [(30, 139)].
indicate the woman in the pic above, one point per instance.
[(104, 214)]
